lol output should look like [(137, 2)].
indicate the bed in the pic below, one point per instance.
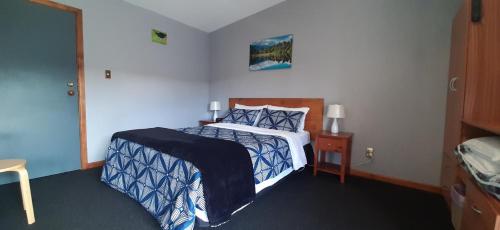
[(173, 189)]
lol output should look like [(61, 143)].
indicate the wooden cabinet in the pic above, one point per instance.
[(482, 99), (481, 210), (477, 213), (456, 81), (449, 174), (455, 98), (473, 104)]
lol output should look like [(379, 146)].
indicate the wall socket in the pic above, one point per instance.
[(370, 152)]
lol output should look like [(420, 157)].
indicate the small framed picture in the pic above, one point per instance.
[(159, 37)]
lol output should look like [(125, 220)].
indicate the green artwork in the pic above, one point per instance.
[(159, 37)]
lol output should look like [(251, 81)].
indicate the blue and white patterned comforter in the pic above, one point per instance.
[(171, 189)]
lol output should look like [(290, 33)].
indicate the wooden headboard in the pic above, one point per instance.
[(314, 118)]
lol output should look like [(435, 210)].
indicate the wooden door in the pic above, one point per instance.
[(456, 92), (482, 104), (39, 121)]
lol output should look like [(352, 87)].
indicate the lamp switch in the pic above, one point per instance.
[(107, 74)]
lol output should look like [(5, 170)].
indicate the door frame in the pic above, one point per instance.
[(80, 72)]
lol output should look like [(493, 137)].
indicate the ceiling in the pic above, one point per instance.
[(206, 15)]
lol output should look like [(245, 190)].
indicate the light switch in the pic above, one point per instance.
[(107, 74)]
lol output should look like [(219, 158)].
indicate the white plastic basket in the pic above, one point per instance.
[(457, 193)]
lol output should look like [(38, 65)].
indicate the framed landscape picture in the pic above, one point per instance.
[(271, 53), (159, 37)]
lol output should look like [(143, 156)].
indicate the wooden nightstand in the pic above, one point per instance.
[(327, 142), (207, 122)]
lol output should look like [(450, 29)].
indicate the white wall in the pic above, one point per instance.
[(152, 85), (385, 60)]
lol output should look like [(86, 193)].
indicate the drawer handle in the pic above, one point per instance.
[(476, 210), (329, 144)]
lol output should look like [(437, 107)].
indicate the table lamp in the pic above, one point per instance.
[(335, 112), (215, 106)]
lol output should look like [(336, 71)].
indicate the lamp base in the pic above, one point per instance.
[(214, 119), (335, 126)]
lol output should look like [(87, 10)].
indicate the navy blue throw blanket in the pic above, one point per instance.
[(225, 166)]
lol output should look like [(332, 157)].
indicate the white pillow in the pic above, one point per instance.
[(238, 106), (487, 146), (300, 109), (258, 107)]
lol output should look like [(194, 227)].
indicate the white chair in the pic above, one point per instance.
[(18, 166)]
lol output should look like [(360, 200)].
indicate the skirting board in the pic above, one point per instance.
[(396, 181), (357, 173), (96, 164)]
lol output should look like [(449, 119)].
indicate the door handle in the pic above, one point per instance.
[(451, 85), (70, 85)]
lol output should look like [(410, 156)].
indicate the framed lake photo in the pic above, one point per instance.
[(271, 53)]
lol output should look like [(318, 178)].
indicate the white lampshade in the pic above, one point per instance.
[(214, 105), (336, 111)]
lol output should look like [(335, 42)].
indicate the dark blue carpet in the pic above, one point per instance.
[(78, 200)]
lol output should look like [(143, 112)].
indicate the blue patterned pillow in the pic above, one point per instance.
[(241, 116), (280, 120)]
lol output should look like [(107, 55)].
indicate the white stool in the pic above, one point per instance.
[(19, 167)]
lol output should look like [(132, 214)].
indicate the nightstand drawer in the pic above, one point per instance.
[(331, 145)]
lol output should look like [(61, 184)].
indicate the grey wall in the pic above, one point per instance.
[(385, 60), (152, 85)]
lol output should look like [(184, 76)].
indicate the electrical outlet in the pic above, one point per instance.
[(370, 152)]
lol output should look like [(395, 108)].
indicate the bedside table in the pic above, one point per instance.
[(327, 142), (207, 122)]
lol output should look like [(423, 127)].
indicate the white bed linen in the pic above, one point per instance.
[(296, 141), (305, 137)]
